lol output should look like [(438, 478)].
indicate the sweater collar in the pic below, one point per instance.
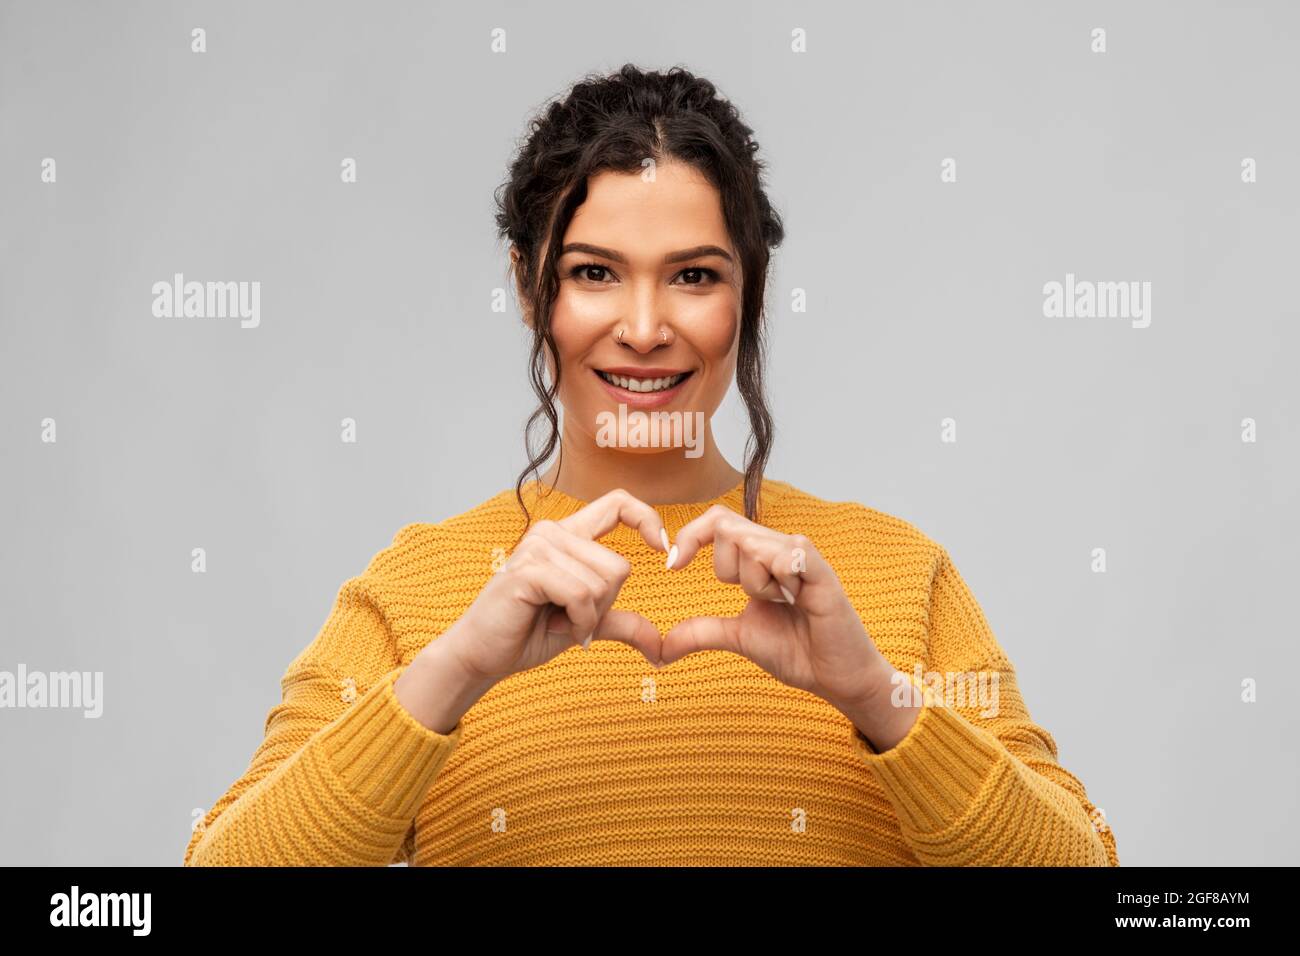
[(553, 504)]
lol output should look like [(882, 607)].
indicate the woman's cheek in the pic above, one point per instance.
[(715, 337), (583, 313), (713, 326), (564, 330)]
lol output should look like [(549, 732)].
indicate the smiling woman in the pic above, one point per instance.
[(644, 656)]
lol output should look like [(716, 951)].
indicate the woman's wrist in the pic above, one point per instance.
[(435, 690), (876, 715)]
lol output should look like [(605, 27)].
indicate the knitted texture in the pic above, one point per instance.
[(597, 758)]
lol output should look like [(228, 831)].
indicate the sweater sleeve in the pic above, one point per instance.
[(343, 766), (976, 782)]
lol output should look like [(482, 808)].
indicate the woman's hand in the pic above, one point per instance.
[(555, 591), (799, 625)]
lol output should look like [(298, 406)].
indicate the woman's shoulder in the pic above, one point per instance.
[(840, 520), (490, 524)]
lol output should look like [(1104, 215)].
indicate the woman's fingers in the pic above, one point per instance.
[(628, 627), (700, 634), (610, 565), (766, 563), (743, 557), (556, 553), (546, 583), (603, 573), (617, 507), (604, 570), (704, 530), (755, 574), (601, 593), (560, 579)]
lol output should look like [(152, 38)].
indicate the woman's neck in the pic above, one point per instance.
[(656, 476)]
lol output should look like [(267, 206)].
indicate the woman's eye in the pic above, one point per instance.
[(703, 273), (598, 274), (584, 272)]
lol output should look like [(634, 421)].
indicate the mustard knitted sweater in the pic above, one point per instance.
[(597, 758)]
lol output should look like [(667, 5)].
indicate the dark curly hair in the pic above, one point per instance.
[(613, 122)]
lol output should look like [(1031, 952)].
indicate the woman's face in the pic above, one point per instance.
[(653, 260)]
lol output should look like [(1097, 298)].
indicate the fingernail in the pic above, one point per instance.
[(672, 556), (789, 598), (663, 536), (586, 645)]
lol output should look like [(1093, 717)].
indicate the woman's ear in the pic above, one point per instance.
[(525, 304)]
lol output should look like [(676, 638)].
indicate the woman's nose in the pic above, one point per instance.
[(644, 330), (646, 343)]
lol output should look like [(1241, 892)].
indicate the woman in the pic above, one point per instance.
[(646, 656)]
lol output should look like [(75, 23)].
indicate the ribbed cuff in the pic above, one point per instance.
[(934, 774), (383, 754)]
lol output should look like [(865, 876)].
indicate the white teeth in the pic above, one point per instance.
[(642, 384)]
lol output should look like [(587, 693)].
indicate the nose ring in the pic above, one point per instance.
[(663, 334)]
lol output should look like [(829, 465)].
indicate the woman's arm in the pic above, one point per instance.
[(977, 782), (344, 765)]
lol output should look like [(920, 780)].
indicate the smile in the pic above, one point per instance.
[(645, 384)]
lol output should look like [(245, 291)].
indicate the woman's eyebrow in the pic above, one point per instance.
[(693, 253)]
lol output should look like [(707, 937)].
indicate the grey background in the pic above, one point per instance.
[(925, 301)]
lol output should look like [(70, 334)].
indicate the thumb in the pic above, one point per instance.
[(625, 627), (634, 630)]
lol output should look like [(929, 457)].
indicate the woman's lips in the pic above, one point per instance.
[(642, 399)]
